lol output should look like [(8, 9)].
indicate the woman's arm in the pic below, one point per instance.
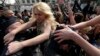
[(13, 26), (38, 39), (23, 26), (90, 49), (9, 29), (70, 14), (14, 31), (13, 47)]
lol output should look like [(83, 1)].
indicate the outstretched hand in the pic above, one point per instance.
[(8, 38), (14, 47)]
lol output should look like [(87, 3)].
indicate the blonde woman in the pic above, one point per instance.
[(42, 19)]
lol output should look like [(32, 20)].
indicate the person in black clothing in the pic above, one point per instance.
[(1, 31), (25, 16), (12, 23), (8, 22)]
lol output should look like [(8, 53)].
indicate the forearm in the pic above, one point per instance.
[(86, 45), (22, 27), (13, 26), (58, 8), (72, 20), (39, 38), (80, 25), (71, 17), (91, 22), (36, 40)]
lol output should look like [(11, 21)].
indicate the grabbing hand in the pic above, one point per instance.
[(8, 38), (64, 34), (13, 47)]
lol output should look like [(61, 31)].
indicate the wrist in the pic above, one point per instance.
[(75, 37), (72, 28), (13, 32), (22, 44)]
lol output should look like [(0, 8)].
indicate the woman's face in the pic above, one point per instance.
[(39, 15)]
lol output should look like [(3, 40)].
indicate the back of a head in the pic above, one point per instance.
[(79, 18)]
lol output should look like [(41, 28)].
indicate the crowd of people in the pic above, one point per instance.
[(51, 30)]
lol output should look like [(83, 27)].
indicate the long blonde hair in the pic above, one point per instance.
[(46, 10)]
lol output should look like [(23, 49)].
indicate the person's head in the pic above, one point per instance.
[(97, 9), (1, 10), (8, 13), (42, 11), (79, 17)]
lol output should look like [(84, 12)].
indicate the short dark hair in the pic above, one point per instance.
[(1, 7)]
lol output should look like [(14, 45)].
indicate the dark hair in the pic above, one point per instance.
[(1, 7), (78, 18)]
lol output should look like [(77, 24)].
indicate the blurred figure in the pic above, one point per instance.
[(1, 29), (26, 15)]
